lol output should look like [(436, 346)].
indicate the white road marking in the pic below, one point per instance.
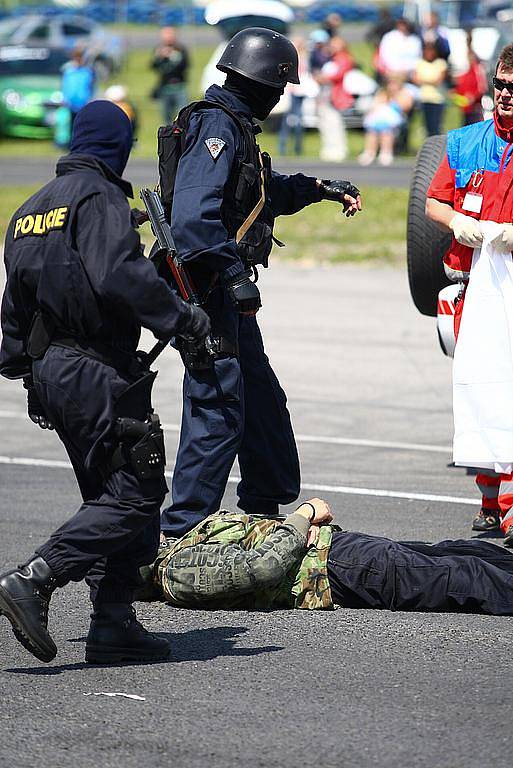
[(321, 439), (316, 487), (373, 443)]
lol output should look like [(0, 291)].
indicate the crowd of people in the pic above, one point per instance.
[(411, 72)]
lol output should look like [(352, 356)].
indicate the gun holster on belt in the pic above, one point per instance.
[(141, 440), (200, 358), (142, 446)]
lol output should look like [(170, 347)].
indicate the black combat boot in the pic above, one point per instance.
[(24, 598), (115, 635)]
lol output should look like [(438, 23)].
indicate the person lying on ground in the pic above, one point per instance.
[(237, 561)]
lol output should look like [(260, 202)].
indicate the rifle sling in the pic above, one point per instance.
[(250, 220)]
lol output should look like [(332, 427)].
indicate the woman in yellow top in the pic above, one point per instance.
[(430, 75)]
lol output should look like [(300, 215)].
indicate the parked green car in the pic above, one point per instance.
[(30, 90)]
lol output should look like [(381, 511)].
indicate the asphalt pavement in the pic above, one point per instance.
[(144, 172), (369, 393)]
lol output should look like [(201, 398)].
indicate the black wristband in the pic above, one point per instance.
[(313, 509)]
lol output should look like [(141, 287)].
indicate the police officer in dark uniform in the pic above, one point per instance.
[(225, 199), (78, 291)]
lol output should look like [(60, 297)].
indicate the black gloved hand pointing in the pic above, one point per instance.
[(341, 192), (34, 407), (244, 293)]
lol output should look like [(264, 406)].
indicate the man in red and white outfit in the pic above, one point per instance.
[(471, 195)]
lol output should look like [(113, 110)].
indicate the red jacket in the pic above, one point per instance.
[(485, 147)]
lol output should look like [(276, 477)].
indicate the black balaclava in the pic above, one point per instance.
[(260, 98), (103, 130)]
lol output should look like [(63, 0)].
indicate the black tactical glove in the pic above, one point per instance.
[(244, 293), (197, 327), (34, 407), (337, 190)]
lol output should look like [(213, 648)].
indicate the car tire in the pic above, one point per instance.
[(426, 244)]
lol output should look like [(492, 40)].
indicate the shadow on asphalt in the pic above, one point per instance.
[(196, 645)]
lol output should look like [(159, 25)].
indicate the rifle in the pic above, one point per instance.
[(162, 231)]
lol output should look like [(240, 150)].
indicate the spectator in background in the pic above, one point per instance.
[(470, 88), (292, 119), (78, 83), (388, 113), (171, 61), (399, 50), (384, 24), (333, 24), (433, 33), (118, 94), (430, 75), (333, 100), (333, 73), (319, 50)]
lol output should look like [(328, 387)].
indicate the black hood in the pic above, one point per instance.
[(102, 129), (259, 97)]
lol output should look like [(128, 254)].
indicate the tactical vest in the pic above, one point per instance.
[(246, 210)]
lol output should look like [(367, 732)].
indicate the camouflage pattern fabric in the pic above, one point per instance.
[(235, 561)]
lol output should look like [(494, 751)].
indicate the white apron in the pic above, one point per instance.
[(483, 362)]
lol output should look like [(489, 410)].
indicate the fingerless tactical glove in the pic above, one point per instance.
[(335, 190)]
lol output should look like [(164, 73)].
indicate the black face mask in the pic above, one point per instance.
[(260, 98)]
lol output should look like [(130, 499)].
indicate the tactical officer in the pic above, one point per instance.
[(225, 199), (78, 291)]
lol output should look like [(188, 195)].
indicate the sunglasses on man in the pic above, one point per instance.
[(501, 84)]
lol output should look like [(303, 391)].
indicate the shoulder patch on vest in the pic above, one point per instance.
[(215, 147)]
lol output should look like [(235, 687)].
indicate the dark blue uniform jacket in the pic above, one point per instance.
[(199, 219), (71, 250)]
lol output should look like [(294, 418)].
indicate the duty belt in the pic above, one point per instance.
[(199, 359), (124, 362)]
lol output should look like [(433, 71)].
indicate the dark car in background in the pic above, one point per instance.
[(30, 90)]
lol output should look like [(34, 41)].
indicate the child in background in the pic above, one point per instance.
[(382, 122)]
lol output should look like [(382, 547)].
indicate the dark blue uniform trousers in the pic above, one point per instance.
[(116, 529), (459, 576), (236, 408)]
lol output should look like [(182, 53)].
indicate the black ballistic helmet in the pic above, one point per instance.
[(261, 55)]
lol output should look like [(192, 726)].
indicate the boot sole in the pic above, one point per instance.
[(21, 630), (485, 529), (107, 655)]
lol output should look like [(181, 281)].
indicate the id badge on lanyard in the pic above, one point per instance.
[(473, 201)]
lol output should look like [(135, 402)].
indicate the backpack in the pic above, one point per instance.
[(253, 223), (171, 145)]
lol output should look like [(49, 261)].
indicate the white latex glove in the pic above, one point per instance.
[(466, 230), (503, 240)]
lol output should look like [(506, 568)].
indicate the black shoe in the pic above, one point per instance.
[(486, 520), (508, 536), (115, 635), (24, 598)]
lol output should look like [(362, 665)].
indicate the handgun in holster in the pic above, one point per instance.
[(141, 440), (143, 443)]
